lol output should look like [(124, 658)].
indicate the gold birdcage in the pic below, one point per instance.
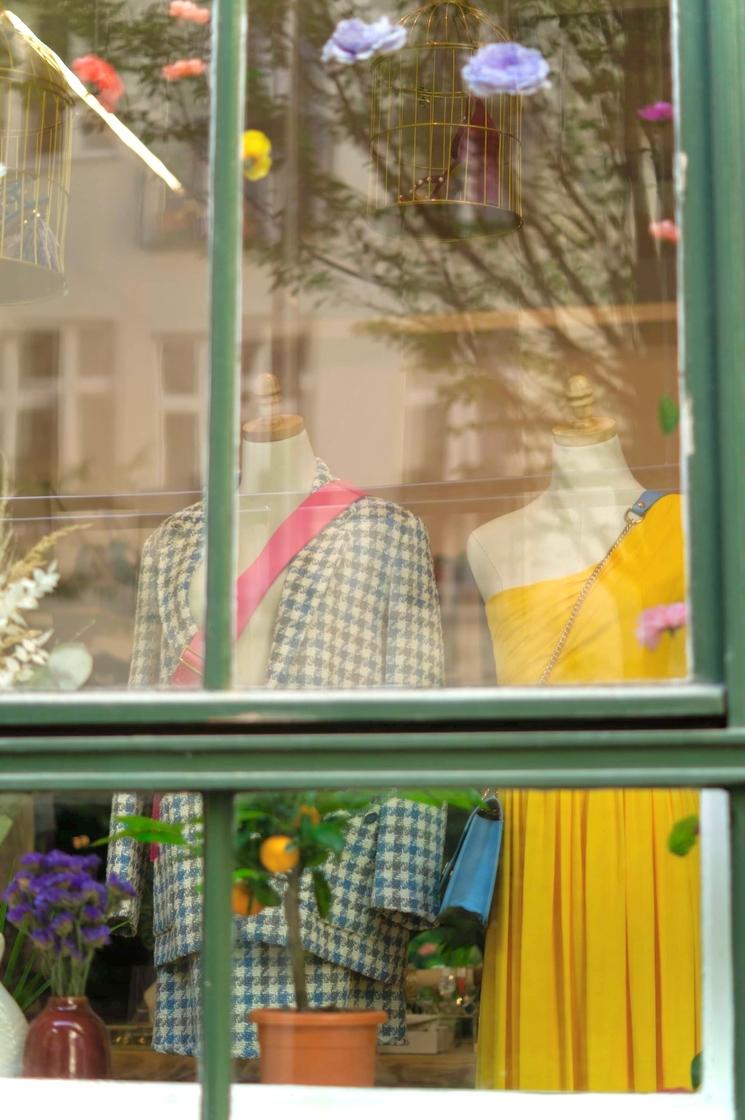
[(35, 143), (439, 153)]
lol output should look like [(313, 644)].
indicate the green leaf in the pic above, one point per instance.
[(322, 891), (696, 1070), (683, 836), (668, 415), (329, 836), (265, 893), (146, 830)]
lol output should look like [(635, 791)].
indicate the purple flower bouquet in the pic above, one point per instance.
[(56, 899)]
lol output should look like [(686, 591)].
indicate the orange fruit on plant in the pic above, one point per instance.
[(279, 854), (308, 811), (243, 902)]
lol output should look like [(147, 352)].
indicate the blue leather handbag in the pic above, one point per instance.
[(468, 880)]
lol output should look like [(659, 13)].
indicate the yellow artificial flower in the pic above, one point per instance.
[(257, 154)]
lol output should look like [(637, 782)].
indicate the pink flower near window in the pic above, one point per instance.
[(96, 72), (428, 948), (657, 621), (187, 10), (183, 68), (658, 111), (664, 230)]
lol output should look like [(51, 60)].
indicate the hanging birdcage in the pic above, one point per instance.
[(35, 142), (438, 153)]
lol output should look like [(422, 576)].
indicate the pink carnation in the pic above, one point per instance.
[(96, 72), (187, 10), (183, 68), (656, 621), (664, 230), (658, 111)]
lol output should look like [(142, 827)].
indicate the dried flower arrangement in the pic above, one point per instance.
[(25, 660)]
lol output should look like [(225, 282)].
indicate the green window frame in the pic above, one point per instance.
[(220, 742)]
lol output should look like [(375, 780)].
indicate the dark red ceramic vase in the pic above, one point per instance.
[(67, 1040)]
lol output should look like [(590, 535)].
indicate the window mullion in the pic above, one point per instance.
[(226, 259), (226, 225), (217, 956)]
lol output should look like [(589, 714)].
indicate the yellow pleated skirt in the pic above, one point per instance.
[(592, 963)]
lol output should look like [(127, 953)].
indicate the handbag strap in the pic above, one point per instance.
[(306, 522), (634, 514)]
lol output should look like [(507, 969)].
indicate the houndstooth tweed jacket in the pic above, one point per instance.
[(359, 607)]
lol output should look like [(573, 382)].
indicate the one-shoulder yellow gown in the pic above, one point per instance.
[(592, 974)]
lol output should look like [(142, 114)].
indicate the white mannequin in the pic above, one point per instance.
[(278, 468), (573, 523)]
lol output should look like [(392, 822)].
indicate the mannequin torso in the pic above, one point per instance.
[(567, 528), (276, 476)]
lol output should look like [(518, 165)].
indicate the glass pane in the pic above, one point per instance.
[(579, 970), (468, 301), (103, 325), (585, 974)]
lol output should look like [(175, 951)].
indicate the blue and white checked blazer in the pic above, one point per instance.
[(358, 608)]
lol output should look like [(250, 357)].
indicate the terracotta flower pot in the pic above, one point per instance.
[(317, 1047), (67, 1040)]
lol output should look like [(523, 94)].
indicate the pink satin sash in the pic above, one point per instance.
[(305, 523), (309, 519)]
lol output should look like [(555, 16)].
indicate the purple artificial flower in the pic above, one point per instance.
[(353, 40), (505, 68), (19, 913), (31, 861), (118, 886), (656, 621), (96, 936), (50, 896), (63, 923), (656, 112), (97, 894), (42, 938)]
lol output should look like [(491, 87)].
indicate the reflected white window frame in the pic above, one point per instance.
[(69, 1100)]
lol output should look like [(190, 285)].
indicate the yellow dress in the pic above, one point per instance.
[(592, 977)]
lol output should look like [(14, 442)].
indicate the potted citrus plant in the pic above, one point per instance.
[(284, 842)]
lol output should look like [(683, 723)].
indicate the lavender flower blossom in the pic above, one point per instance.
[(656, 112), (353, 40), (18, 914), (505, 68), (118, 886), (96, 936), (57, 899), (42, 938), (63, 922)]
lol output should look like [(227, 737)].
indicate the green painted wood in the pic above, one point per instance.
[(216, 1062), (226, 261), (737, 848), (726, 120), (447, 706), (699, 280), (598, 758)]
